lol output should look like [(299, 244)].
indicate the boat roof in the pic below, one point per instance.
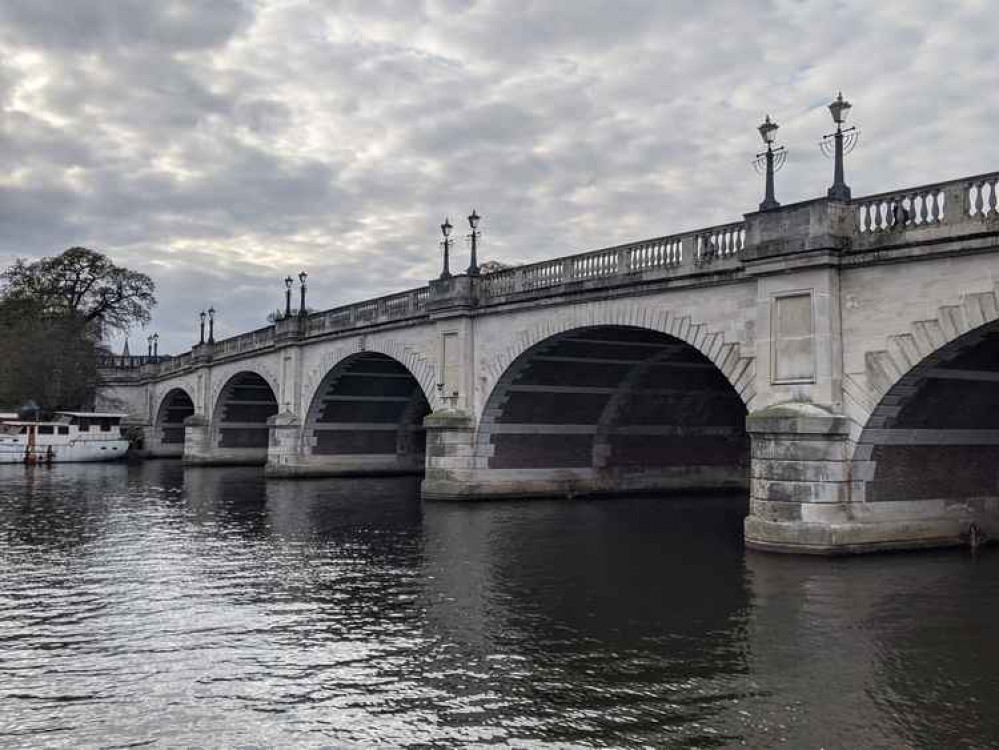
[(95, 414), (21, 422)]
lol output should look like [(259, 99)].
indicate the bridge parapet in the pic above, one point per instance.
[(659, 257), (388, 309), (962, 204), (261, 338)]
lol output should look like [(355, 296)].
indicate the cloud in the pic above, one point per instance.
[(220, 145)]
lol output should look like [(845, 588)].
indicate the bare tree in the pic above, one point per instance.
[(85, 285)]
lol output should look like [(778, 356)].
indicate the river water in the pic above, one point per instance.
[(158, 606)]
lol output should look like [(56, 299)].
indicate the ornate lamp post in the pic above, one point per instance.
[(149, 346), (446, 244), (842, 142), (301, 279), (202, 316), (211, 325), (288, 281), (473, 222), (770, 162), (156, 346)]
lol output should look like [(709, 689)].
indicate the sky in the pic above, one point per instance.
[(220, 145)]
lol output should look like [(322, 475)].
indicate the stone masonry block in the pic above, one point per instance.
[(772, 510), (801, 471), (801, 450), (972, 308), (800, 492), (952, 321), (903, 350)]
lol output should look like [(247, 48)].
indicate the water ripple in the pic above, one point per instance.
[(155, 606)]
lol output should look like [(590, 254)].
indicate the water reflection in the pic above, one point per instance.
[(206, 607), (591, 620)]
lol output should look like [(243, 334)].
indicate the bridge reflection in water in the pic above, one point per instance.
[(344, 611)]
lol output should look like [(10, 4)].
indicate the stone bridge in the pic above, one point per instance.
[(838, 359)]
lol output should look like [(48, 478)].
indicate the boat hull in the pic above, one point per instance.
[(73, 452)]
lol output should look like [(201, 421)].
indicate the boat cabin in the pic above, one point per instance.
[(95, 425), (90, 421)]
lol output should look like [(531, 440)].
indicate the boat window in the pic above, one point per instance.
[(45, 429), (23, 431), (105, 425), (83, 425), (64, 430)]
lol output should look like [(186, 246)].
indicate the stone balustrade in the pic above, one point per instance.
[(945, 203), (391, 308), (665, 256)]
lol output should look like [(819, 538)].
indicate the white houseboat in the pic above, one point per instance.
[(72, 436)]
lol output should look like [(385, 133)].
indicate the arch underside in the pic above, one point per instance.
[(366, 418), (934, 437), (176, 406), (240, 427), (608, 409)]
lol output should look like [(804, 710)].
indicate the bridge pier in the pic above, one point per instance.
[(457, 468), (801, 498), (201, 447), (197, 440), (155, 446), (288, 456)]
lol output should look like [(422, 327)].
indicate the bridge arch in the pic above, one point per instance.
[(614, 407), (174, 407), (418, 366), (366, 416), (932, 435), (240, 431), (715, 344)]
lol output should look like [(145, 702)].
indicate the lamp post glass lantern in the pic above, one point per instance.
[(301, 280), (473, 264), (446, 231), (769, 161), (838, 144), (156, 345), (149, 346)]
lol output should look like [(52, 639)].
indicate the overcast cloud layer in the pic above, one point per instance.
[(219, 145)]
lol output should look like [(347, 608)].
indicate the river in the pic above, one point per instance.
[(156, 606)]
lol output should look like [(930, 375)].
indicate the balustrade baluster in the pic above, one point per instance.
[(992, 204)]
